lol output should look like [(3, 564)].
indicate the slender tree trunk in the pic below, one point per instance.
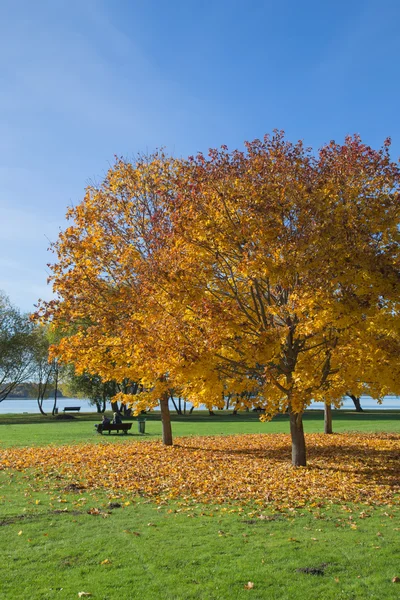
[(41, 392), (40, 405), (177, 410), (114, 407), (180, 405), (53, 412), (166, 421), (298, 440), (191, 410), (127, 411), (328, 418), (184, 407), (356, 401)]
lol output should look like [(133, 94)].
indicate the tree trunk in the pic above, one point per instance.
[(356, 401), (40, 405), (166, 421), (328, 418), (114, 407), (298, 441), (177, 410), (53, 412), (127, 411)]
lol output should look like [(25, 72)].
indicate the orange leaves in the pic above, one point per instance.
[(226, 469)]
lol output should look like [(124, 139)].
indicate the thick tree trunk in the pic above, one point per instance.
[(114, 407), (356, 401), (328, 418), (166, 421), (298, 440)]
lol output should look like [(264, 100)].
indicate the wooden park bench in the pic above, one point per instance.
[(72, 409), (125, 427)]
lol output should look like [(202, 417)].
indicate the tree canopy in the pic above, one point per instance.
[(272, 273)]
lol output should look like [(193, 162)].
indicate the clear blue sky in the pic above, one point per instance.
[(81, 81)]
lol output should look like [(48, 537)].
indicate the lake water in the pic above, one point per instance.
[(27, 405)]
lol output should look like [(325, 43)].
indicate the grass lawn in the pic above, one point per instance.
[(27, 430), (59, 538), (52, 547)]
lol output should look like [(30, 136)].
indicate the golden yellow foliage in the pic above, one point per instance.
[(270, 274)]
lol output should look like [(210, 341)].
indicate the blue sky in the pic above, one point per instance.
[(83, 81)]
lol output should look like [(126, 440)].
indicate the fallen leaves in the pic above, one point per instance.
[(343, 468), (96, 512), (249, 585)]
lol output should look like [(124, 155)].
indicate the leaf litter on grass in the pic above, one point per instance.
[(246, 468)]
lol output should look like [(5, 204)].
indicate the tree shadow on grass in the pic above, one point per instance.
[(378, 465)]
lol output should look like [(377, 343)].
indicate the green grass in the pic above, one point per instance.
[(209, 553), (53, 548), (28, 430)]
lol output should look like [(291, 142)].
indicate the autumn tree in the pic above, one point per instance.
[(289, 261), (271, 273), (112, 324)]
